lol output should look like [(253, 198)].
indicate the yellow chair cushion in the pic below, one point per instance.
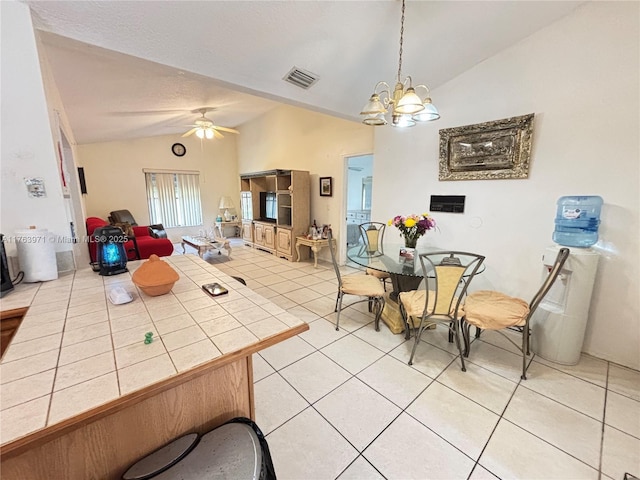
[(413, 303), (377, 273), (492, 310), (362, 285)]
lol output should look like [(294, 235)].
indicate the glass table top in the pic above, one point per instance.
[(390, 261)]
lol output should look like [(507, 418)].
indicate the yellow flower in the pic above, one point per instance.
[(389, 223), (409, 222)]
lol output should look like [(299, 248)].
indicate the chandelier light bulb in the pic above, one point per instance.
[(200, 133)]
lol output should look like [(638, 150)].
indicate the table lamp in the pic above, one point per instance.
[(226, 204)]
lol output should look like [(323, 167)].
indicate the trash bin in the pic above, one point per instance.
[(235, 450), (558, 325)]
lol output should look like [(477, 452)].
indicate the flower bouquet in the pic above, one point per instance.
[(412, 227)]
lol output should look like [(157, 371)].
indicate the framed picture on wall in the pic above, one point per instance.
[(325, 187), (487, 151)]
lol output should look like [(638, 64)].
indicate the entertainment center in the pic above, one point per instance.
[(275, 208)]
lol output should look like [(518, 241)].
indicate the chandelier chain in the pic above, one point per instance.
[(401, 40)]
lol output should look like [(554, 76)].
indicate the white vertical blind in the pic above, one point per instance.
[(174, 199), (188, 188)]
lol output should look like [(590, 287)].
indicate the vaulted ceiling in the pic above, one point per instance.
[(129, 69)]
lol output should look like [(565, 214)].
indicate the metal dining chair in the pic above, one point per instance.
[(372, 234), (491, 310), (364, 286), (451, 272)]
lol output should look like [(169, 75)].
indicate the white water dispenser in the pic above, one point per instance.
[(558, 325)]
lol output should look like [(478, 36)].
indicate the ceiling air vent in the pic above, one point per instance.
[(301, 78)]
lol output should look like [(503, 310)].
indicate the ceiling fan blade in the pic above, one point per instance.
[(190, 132), (225, 129), (217, 134)]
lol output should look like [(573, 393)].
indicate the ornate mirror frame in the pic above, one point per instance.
[(487, 151)]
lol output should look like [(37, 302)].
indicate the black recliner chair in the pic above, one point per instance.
[(124, 216)]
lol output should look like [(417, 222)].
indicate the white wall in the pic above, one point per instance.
[(115, 180), (27, 146), (580, 77)]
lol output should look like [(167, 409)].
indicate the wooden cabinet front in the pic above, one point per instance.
[(264, 236), (258, 234), (270, 236), (284, 243), (247, 232)]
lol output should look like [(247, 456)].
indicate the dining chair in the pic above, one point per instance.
[(364, 286), (372, 234), (450, 273), (491, 310)]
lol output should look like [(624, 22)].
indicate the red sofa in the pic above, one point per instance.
[(147, 245)]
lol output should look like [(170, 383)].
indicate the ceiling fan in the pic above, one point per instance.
[(205, 128)]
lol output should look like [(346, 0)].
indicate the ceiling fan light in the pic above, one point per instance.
[(200, 133), (409, 103), (375, 119), (209, 133), (429, 114), (374, 106)]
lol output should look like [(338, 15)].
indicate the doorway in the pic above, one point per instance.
[(73, 204), (358, 198)]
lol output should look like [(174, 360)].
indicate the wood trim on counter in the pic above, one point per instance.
[(13, 313), (104, 441), (10, 320)]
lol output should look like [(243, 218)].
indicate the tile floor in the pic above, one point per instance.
[(346, 404)]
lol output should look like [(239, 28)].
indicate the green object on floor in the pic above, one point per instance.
[(148, 337)]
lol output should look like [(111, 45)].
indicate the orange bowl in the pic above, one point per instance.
[(155, 277)]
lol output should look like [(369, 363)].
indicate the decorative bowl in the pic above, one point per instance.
[(155, 277)]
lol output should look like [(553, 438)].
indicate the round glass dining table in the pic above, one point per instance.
[(405, 275)]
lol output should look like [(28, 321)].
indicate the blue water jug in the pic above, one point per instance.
[(577, 221)]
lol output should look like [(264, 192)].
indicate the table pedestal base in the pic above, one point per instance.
[(391, 316)]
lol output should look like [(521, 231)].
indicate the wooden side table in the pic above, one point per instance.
[(234, 223), (314, 245)]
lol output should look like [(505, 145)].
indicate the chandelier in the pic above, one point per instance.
[(404, 104)]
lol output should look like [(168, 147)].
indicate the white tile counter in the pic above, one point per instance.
[(75, 351)]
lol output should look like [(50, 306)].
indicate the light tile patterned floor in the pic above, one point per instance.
[(346, 404)]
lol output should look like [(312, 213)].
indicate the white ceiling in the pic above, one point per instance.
[(128, 69)]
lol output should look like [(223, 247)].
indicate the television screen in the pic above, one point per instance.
[(268, 206)]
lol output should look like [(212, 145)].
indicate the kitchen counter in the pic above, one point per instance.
[(78, 367)]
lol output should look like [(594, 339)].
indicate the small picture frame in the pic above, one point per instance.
[(325, 187), (325, 231), (407, 255)]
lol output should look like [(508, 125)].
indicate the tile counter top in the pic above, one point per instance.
[(75, 350)]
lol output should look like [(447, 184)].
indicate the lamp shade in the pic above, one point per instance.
[(373, 106), (409, 103), (429, 113), (225, 202), (403, 121), (209, 133), (200, 133), (375, 119)]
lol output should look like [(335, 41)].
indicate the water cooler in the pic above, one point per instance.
[(558, 325)]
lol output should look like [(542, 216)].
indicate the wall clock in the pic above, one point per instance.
[(178, 149)]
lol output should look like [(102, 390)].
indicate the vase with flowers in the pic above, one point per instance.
[(412, 227)]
